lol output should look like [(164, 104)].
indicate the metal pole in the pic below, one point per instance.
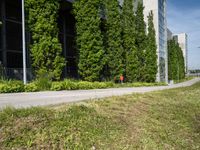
[(24, 44)]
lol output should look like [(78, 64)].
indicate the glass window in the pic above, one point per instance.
[(0, 25), (70, 46), (13, 36), (1, 57), (1, 36), (71, 67), (13, 10), (14, 60), (70, 23)]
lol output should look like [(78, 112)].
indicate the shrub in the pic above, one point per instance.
[(70, 85), (11, 87), (79, 85), (57, 86), (31, 87), (84, 85), (44, 81), (45, 84)]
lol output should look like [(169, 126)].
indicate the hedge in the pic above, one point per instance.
[(17, 86)]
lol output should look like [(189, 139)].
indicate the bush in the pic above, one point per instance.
[(31, 87), (46, 84), (43, 83), (69, 85), (11, 87), (79, 85), (84, 85), (57, 86)]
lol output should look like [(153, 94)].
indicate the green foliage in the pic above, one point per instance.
[(114, 49), (89, 39), (45, 84), (151, 66), (11, 86), (57, 86), (129, 35), (31, 87), (181, 63), (79, 85), (45, 49), (140, 40), (176, 63), (44, 81)]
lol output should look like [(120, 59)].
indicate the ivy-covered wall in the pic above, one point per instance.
[(45, 48)]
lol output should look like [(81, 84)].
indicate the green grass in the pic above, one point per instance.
[(167, 119), (183, 80)]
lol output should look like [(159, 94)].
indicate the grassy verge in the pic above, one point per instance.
[(160, 120), (183, 80)]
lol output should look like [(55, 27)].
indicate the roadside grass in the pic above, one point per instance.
[(183, 80), (167, 119)]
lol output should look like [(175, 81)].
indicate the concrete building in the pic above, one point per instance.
[(158, 7), (182, 40), (169, 34)]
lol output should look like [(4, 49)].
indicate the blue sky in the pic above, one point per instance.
[(184, 16)]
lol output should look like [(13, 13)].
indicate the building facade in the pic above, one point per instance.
[(11, 39), (182, 40), (169, 34), (158, 7)]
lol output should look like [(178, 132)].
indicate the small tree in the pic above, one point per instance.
[(46, 49), (89, 39), (140, 40), (114, 49), (132, 61), (151, 66)]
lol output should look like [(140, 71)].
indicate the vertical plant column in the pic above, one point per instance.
[(45, 49), (175, 61), (150, 53), (89, 39), (129, 33), (141, 40), (170, 53), (181, 63), (114, 49)]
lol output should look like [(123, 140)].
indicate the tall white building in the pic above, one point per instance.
[(158, 7), (182, 40)]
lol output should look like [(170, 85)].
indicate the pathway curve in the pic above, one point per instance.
[(19, 100)]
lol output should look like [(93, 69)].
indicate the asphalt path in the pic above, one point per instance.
[(25, 100)]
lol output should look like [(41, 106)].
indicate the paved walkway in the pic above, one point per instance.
[(20, 100)]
